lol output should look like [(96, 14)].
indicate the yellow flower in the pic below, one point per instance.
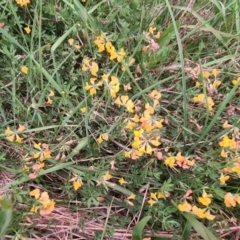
[(34, 209), (113, 85), (127, 87), (160, 195), (216, 83), (133, 154), (148, 109), (120, 55), (236, 81), (49, 101), (91, 66), (205, 199), (142, 142), (215, 72), (77, 184), (208, 215), (105, 178), (51, 93), (206, 74), (170, 162), (83, 110), (185, 207), (207, 101), (198, 83), (27, 30), (155, 95), (13, 135), (122, 181), (131, 122), (224, 153), (47, 205), (202, 213), (24, 69), (92, 88), (228, 143), (35, 193), (210, 103), (100, 42), (152, 30), (22, 3), (236, 168), (153, 195), (199, 98), (151, 202), (229, 200), (103, 137), (70, 41), (198, 211), (77, 46), (44, 152), (223, 179), (126, 102), (110, 48)]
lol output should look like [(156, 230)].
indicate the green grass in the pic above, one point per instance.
[(86, 149)]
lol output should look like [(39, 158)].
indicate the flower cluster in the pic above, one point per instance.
[(231, 200), (206, 101), (229, 147), (179, 160), (73, 44), (155, 196), (210, 80), (150, 36), (42, 154), (102, 137), (104, 45), (12, 136), (46, 205), (202, 213), (145, 126)]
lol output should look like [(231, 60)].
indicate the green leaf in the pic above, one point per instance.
[(5, 216), (167, 35), (137, 231)]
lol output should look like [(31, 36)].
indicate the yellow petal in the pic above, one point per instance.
[(8, 131), (37, 146), (70, 41), (44, 198), (51, 93), (10, 138), (21, 128), (122, 181), (18, 139), (77, 184), (35, 193)]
